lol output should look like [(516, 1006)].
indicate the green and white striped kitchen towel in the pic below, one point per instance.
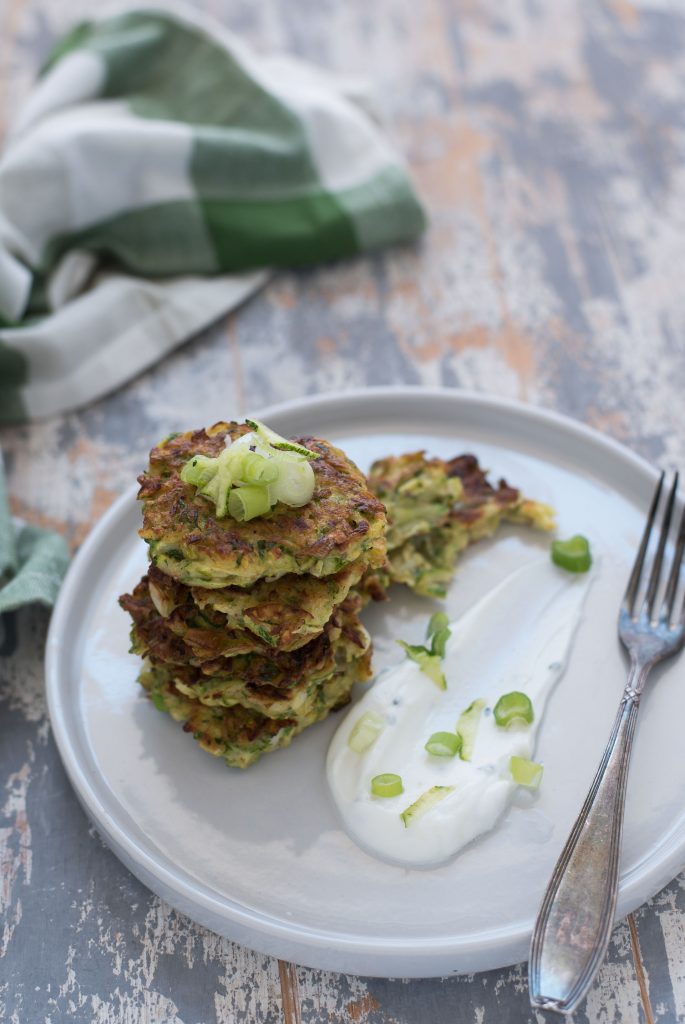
[(156, 173), (33, 560)]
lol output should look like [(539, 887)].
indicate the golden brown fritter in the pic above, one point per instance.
[(340, 524), (188, 637), (240, 735), (425, 558), (419, 493), (283, 614), (296, 698)]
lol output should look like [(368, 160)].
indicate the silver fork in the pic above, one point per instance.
[(574, 924)]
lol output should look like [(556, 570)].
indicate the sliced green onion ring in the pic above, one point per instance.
[(424, 803), (444, 744), (258, 469), (467, 727), (524, 772), (387, 785), (295, 483), (210, 489), (573, 554), (245, 503), (365, 731), (513, 708), (199, 470)]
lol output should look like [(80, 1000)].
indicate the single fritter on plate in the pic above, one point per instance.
[(426, 532), (341, 524), (240, 735)]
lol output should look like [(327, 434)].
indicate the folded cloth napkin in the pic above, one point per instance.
[(33, 561), (157, 168)]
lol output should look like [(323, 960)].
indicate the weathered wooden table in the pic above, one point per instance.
[(548, 141)]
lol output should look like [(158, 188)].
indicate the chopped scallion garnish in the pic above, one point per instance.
[(387, 785), (438, 632), (525, 773), (225, 475), (365, 732), (199, 470), (444, 744), (429, 660), (275, 440), (573, 554), (424, 803), (245, 503), (430, 664), (513, 708), (439, 642), (295, 482), (467, 727), (260, 459), (257, 469), (437, 622)]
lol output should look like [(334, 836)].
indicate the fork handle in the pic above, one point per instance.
[(573, 927)]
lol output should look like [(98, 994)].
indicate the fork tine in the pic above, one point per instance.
[(672, 586), (634, 581), (650, 597)]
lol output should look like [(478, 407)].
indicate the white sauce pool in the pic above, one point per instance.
[(517, 637)]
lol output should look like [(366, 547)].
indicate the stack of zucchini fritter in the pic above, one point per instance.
[(250, 630)]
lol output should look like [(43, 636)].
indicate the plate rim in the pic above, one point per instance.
[(424, 957)]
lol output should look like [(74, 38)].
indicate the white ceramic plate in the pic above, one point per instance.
[(259, 856)]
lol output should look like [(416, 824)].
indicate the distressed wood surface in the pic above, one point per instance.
[(547, 140)]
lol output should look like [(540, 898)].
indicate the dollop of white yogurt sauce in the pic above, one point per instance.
[(517, 637)]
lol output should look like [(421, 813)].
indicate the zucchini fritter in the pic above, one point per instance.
[(410, 485), (190, 636), (299, 698), (288, 612), (239, 734), (418, 493), (342, 522)]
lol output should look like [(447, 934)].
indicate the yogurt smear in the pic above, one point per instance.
[(517, 637)]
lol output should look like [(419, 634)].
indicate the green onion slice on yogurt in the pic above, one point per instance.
[(513, 708), (386, 785), (429, 659), (524, 772), (365, 732)]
